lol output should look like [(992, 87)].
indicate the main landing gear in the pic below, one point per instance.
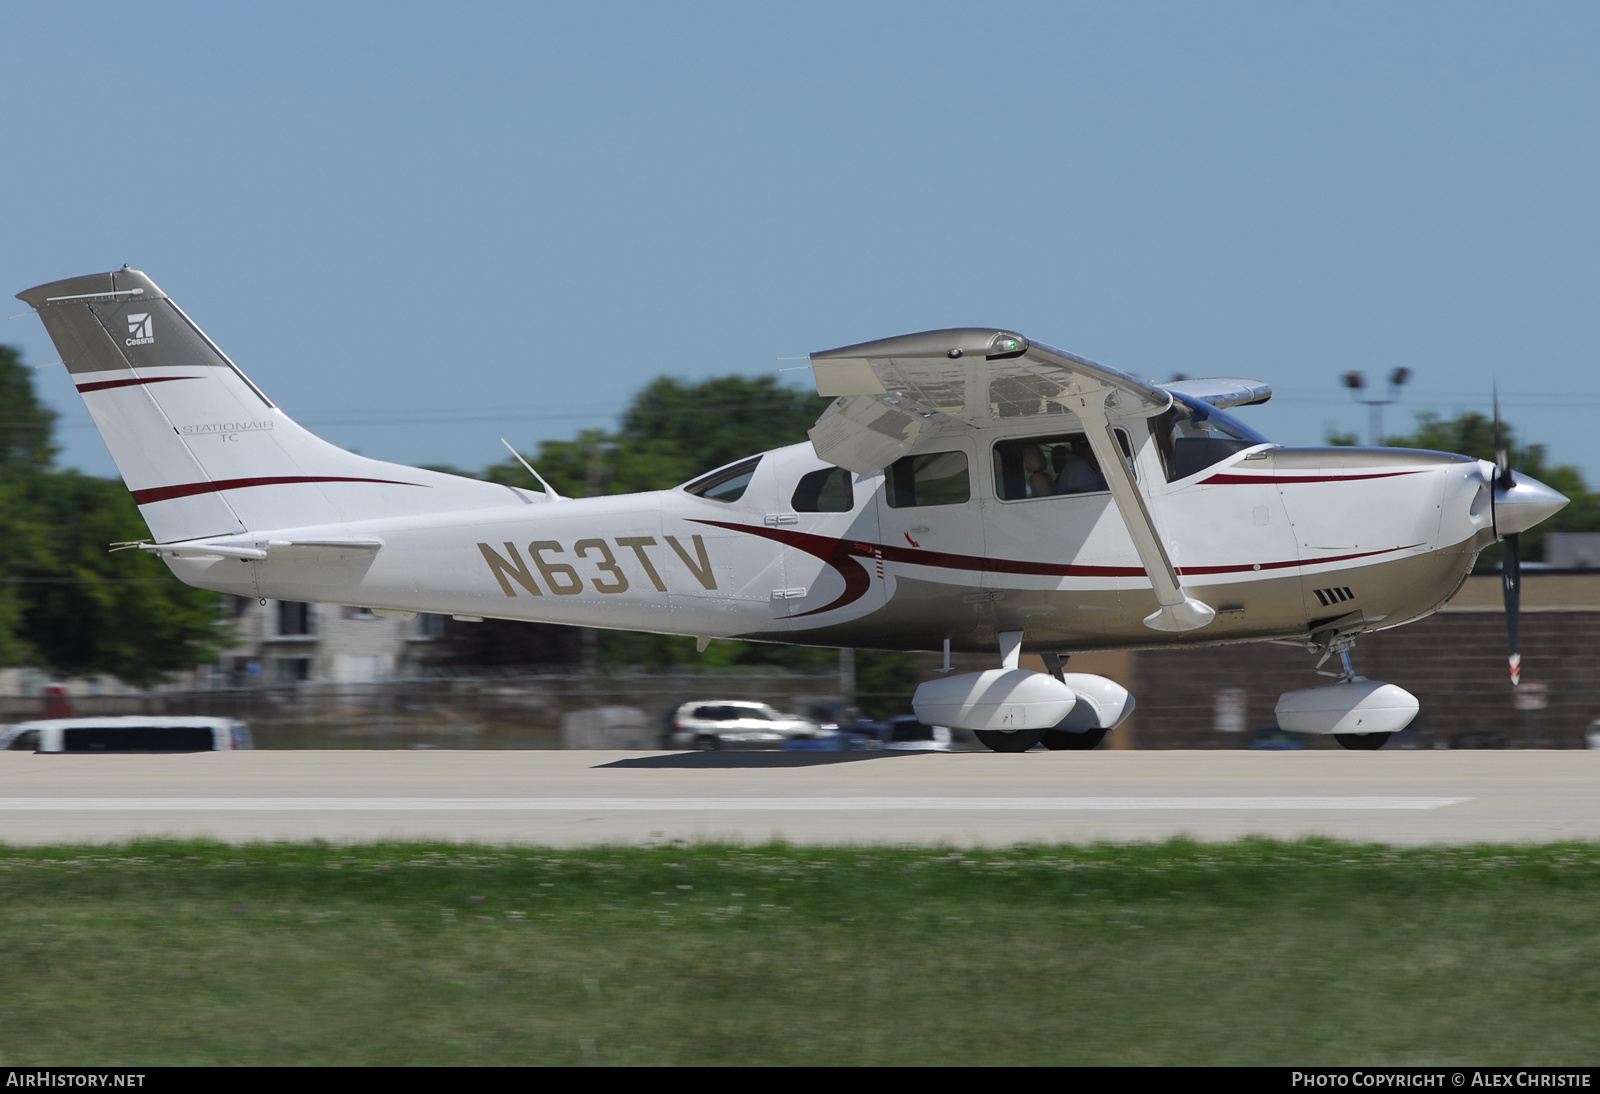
[(1056, 740), (1011, 709)]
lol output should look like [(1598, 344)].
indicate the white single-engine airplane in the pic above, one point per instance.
[(967, 489)]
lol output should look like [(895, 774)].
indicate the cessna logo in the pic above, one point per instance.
[(563, 579), (141, 329)]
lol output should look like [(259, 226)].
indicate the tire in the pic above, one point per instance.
[(998, 741), (1362, 742), (1059, 740), (707, 744)]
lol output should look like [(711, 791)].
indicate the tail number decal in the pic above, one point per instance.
[(562, 578)]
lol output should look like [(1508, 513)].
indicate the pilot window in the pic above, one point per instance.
[(729, 484), (1192, 436), (825, 491), (1041, 467), (929, 478)]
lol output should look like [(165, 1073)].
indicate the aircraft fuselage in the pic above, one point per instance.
[(1280, 542)]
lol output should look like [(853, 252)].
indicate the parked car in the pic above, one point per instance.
[(840, 717), (1275, 739), (904, 733), (1479, 739), (735, 723), (132, 733)]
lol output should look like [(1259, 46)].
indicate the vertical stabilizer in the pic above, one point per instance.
[(203, 450)]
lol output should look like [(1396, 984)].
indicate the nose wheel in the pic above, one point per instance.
[(1363, 742)]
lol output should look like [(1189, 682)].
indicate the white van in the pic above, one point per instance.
[(132, 733)]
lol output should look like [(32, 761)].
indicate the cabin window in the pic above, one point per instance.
[(1192, 436), (929, 478), (728, 484), (26, 741), (825, 491), (1040, 467)]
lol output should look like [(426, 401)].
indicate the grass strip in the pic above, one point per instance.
[(1254, 952)]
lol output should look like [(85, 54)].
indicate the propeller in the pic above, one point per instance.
[(1511, 560)]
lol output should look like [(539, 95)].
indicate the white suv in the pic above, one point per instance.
[(734, 723)]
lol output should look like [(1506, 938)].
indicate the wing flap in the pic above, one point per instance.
[(864, 433)]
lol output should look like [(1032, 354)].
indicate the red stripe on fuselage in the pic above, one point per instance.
[(189, 489), (1225, 479), (101, 385), (842, 554)]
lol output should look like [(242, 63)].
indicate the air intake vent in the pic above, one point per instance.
[(1326, 597)]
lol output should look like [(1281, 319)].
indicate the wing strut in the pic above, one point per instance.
[(1179, 611)]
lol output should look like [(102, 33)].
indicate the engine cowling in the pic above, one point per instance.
[(995, 699), (1350, 706)]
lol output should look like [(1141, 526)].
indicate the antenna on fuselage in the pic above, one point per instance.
[(549, 491)]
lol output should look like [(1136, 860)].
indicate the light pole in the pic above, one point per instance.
[(1357, 383)]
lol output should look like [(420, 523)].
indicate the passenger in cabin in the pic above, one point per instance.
[(1080, 471)]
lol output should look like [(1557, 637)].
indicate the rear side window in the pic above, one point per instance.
[(825, 491), (137, 739), (729, 484), (929, 478)]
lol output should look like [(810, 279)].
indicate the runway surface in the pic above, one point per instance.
[(961, 799)]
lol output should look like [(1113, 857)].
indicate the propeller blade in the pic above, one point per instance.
[(1500, 461), (1511, 586), (1502, 458)]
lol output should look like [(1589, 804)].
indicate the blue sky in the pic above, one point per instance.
[(422, 227)]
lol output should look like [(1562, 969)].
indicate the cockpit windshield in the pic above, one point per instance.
[(1193, 435)]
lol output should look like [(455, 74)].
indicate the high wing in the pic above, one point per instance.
[(897, 392), (892, 392), (1222, 391)]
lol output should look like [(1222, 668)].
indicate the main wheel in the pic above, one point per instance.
[(1362, 742), (1019, 740), (1059, 740)]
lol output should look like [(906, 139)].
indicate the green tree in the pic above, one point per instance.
[(672, 431), (67, 603), (27, 425)]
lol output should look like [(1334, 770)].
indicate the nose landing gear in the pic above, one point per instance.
[(1360, 714)]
